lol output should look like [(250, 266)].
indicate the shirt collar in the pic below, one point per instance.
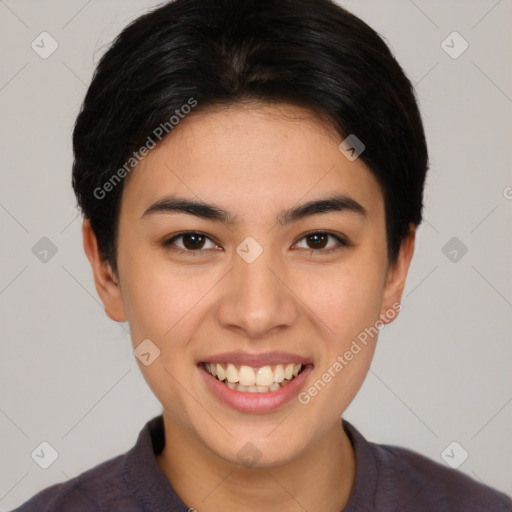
[(152, 490)]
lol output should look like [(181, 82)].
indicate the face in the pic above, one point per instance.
[(283, 263)]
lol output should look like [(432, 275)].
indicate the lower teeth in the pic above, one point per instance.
[(255, 389)]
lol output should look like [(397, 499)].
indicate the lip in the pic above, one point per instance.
[(255, 402), (256, 360)]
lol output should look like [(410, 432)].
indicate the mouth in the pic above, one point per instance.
[(250, 379), (256, 384)]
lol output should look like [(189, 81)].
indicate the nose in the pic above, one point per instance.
[(257, 299)]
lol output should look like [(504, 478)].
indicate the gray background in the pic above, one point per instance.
[(442, 371)]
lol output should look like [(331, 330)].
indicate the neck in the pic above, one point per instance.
[(321, 478)]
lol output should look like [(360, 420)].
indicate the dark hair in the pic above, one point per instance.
[(311, 53)]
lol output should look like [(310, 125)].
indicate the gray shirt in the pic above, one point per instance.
[(388, 479)]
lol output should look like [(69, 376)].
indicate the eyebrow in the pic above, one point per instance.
[(335, 203)]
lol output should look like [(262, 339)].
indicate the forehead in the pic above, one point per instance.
[(246, 156)]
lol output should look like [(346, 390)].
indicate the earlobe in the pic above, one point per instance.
[(396, 277), (105, 280)]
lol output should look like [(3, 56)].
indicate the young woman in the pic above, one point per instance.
[(251, 176)]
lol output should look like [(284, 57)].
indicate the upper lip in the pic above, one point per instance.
[(257, 360)]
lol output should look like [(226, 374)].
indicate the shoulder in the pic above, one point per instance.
[(391, 478), (423, 483), (93, 490)]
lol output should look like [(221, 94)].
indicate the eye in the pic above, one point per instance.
[(189, 242), (318, 241), (194, 243)]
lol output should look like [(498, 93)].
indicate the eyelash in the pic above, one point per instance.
[(168, 244)]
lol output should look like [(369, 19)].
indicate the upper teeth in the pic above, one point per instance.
[(249, 376)]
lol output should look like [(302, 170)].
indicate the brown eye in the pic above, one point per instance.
[(193, 241), (319, 241), (190, 242)]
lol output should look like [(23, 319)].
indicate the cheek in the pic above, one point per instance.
[(166, 306), (160, 300), (348, 304), (346, 298)]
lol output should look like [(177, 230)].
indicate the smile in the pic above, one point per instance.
[(250, 379), (255, 383)]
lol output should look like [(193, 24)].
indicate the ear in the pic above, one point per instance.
[(396, 276), (105, 280)]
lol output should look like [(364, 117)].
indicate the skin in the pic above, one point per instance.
[(254, 161)]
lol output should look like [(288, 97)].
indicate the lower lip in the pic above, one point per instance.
[(255, 402)]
